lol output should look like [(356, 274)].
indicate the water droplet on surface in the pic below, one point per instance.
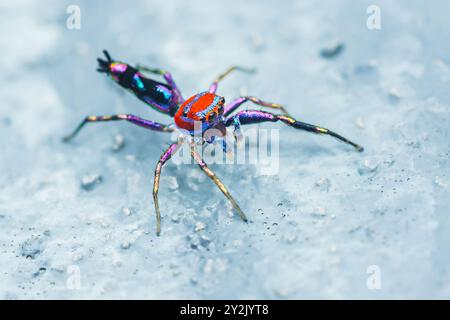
[(368, 166)]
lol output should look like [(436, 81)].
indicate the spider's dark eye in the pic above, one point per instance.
[(212, 117), (220, 109), (185, 113)]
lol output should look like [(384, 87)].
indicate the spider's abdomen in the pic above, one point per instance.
[(155, 94), (200, 112)]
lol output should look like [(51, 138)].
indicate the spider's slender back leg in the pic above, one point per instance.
[(255, 116), (173, 148), (197, 157), (215, 84), (128, 117)]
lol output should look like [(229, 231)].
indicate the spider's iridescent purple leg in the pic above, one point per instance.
[(168, 77), (215, 84), (162, 160), (256, 116), (128, 117), (198, 158), (232, 106)]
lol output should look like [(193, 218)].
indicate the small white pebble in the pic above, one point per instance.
[(127, 211), (204, 241), (119, 143), (368, 166), (394, 93), (171, 183), (442, 182), (88, 182), (199, 226), (360, 122), (208, 266), (125, 245)]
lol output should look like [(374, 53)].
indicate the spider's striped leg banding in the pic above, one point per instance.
[(198, 158), (162, 160), (215, 84), (128, 117), (167, 76), (256, 116), (232, 106)]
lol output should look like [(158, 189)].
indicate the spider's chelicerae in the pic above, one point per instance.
[(205, 108)]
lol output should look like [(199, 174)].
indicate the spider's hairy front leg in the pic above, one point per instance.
[(167, 76), (198, 158), (232, 106), (256, 116), (162, 160), (215, 84), (128, 117)]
